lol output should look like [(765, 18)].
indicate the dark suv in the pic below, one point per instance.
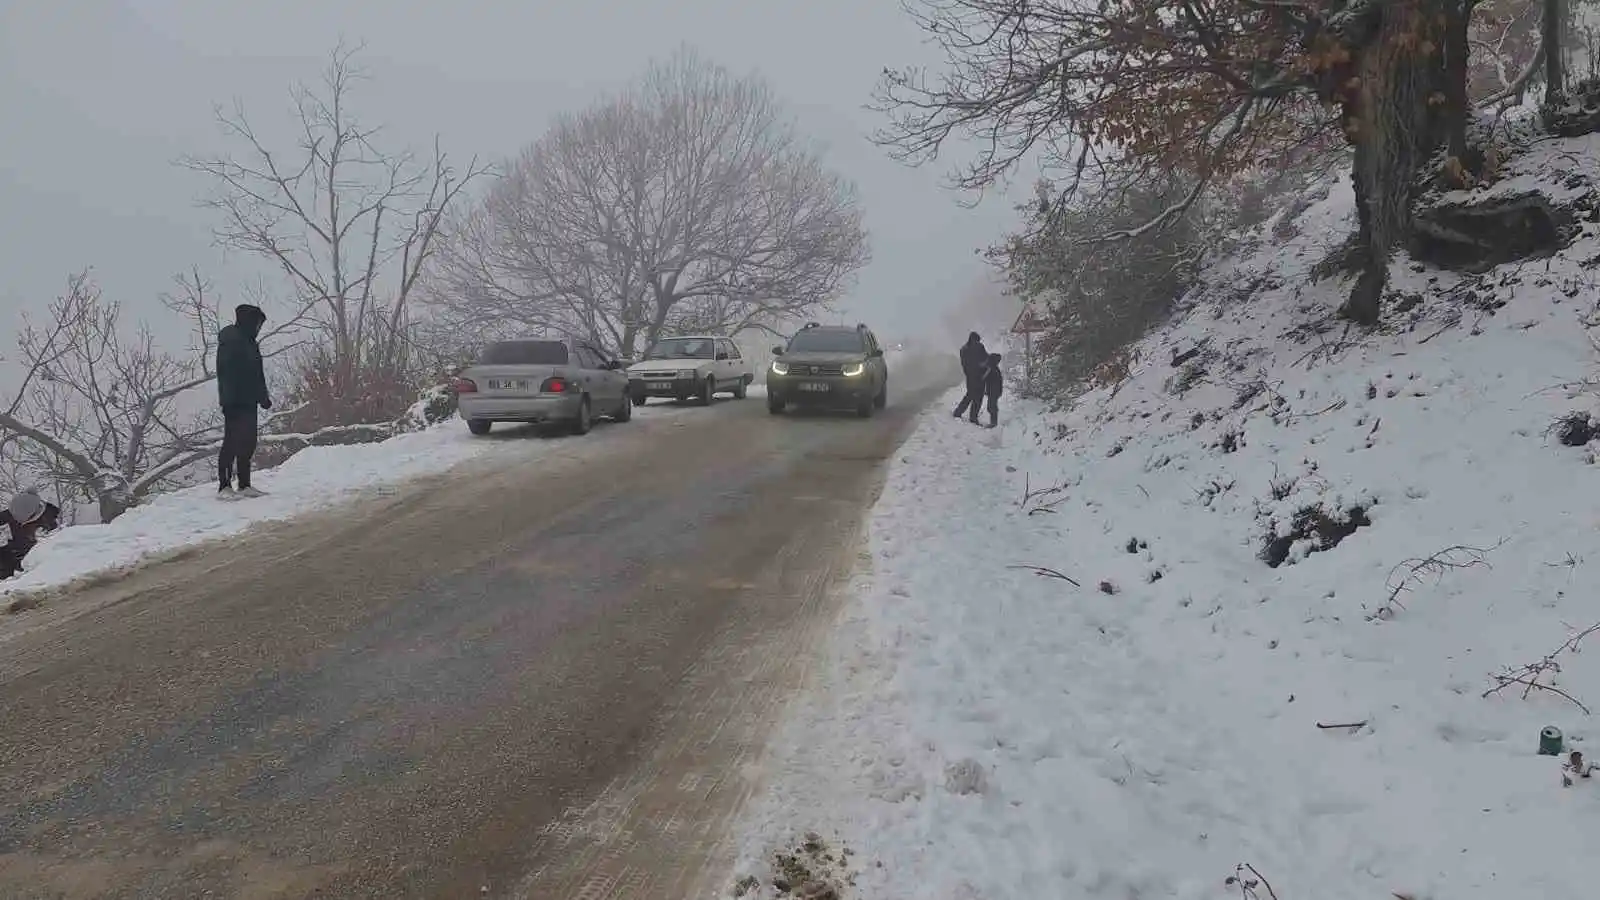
[(832, 366)]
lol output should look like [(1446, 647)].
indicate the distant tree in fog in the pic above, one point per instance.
[(349, 226), (687, 202)]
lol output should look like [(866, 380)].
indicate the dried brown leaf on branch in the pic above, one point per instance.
[(1073, 86)]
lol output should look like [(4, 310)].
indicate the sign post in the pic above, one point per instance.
[(1029, 322)]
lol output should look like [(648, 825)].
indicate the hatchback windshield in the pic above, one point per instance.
[(816, 340), (681, 348), (525, 353)]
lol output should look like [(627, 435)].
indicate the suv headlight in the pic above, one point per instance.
[(687, 373), (780, 368), (851, 370)]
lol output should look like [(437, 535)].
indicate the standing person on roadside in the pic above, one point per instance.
[(241, 389), (973, 358)]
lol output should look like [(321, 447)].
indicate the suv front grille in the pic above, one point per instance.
[(816, 370)]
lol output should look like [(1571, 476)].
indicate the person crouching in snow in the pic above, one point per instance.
[(993, 384), (24, 518), (241, 387)]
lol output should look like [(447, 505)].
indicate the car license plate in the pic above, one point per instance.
[(508, 384), (660, 385), (814, 387)]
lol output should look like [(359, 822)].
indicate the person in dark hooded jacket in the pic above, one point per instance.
[(994, 381), (20, 524), (973, 358), (241, 389)]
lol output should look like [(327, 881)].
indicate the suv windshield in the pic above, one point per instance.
[(525, 353), (681, 348), (817, 340)]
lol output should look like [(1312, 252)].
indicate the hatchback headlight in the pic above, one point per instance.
[(780, 368), (853, 369)]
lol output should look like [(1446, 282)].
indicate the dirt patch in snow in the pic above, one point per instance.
[(812, 869)]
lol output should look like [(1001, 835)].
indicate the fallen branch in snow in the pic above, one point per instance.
[(1404, 577), (1360, 724), (1046, 572), (1540, 675), (1331, 407), (1043, 500), (1248, 881)]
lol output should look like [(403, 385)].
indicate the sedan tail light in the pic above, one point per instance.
[(464, 386), (556, 385)]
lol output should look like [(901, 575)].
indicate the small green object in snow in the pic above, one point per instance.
[(1550, 741)]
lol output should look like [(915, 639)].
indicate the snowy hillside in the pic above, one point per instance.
[(1324, 591)]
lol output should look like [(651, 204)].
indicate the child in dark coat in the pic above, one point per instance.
[(993, 384)]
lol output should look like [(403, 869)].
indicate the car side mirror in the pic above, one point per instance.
[(876, 353), (777, 351)]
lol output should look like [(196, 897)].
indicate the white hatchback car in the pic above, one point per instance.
[(691, 366)]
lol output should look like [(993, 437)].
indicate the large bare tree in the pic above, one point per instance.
[(350, 226), (687, 202)]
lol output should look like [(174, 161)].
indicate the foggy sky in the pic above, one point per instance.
[(99, 97)]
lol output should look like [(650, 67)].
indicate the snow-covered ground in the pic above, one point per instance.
[(314, 478), (984, 729)]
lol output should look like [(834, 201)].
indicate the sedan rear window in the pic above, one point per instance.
[(816, 340), (524, 353)]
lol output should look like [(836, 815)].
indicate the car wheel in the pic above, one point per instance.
[(624, 410), (707, 391), (741, 390), (479, 426), (774, 405), (639, 399), (882, 399), (585, 419)]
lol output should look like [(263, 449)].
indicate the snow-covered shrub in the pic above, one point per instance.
[(433, 405)]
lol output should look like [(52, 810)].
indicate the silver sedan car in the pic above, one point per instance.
[(555, 382)]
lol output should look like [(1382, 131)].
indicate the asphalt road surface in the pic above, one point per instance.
[(542, 680)]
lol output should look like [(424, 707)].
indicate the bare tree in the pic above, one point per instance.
[(350, 227), (102, 413), (687, 202)]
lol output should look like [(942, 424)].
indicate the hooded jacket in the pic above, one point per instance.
[(241, 378), (994, 378), (973, 356)]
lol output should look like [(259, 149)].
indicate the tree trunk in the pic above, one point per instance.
[(1457, 106), (1364, 304), (112, 504), (1396, 129), (1555, 17)]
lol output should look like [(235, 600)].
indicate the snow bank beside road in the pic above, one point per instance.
[(985, 730), (314, 478)]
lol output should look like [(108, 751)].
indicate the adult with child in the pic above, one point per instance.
[(973, 358), (241, 389)]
